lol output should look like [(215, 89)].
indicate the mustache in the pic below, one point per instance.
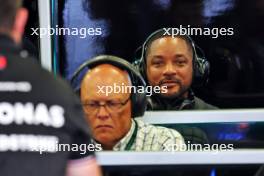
[(172, 79)]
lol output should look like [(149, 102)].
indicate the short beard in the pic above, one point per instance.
[(179, 95)]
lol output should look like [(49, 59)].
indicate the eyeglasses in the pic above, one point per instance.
[(110, 105)]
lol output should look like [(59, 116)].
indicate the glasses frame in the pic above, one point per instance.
[(108, 109)]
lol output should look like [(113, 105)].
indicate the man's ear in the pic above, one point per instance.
[(19, 24)]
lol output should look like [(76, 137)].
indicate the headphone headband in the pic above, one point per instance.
[(138, 99), (160, 33), (201, 66), (113, 60)]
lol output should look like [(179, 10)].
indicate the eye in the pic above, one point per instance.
[(92, 104), (181, 62), (113, 103), (157, 63)]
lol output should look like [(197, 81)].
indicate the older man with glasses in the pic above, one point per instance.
[(111, 119)]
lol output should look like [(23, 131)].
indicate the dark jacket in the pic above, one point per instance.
[(260, 172), (190, 134), (155, 102), (40, 111)]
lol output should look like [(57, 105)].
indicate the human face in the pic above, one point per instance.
[(109, 124), (169, 63)]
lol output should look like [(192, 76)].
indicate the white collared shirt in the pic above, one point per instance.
[(150, 138)]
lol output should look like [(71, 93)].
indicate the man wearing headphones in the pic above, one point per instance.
[(173, 62), (111, 114), (37, 112)]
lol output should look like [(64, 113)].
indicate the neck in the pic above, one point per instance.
[(107, 147), (12, 35)]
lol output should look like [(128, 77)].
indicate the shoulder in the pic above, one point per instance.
[(200, 104), (54, 86), (45, 87)]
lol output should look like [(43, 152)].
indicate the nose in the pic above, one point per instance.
[(102, 113), (169, 70)]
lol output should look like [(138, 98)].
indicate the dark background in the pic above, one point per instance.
[(31, 42), (237, 62)]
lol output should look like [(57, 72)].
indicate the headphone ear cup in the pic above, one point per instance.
[(201, 71), (78, 92), (143, 68), (206, 68), (139, 65), (139, 101)]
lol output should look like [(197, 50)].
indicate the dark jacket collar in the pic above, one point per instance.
[(158, 103), (7, 44)]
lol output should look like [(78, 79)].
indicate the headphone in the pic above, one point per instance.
[(201, 66), (139, 100)]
